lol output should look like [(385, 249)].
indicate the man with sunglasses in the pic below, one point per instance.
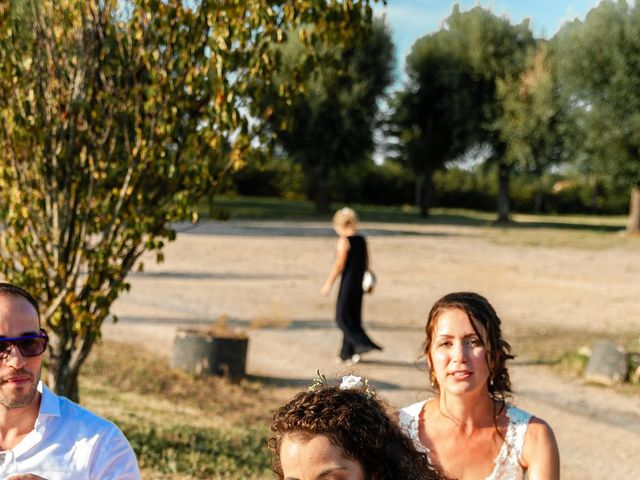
[(42, 435)]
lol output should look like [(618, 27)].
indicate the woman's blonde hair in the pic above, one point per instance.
[(345, 217)]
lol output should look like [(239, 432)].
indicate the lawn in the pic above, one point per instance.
[(181, 427), (580, 231)]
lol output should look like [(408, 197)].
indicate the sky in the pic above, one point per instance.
[(412, 19)]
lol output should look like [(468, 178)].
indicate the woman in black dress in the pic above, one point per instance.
[(352, 260)]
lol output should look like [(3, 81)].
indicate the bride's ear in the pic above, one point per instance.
[(427, 359)]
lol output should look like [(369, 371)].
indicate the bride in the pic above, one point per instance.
[(469, 429)]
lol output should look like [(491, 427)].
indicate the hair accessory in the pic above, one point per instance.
[(351, 382), (319, 381)]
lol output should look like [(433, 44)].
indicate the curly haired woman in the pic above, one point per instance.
[(334, 433)]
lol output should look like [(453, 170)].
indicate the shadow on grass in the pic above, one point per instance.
[(191, 275), (557, 225), (298, 210), (288, 228)]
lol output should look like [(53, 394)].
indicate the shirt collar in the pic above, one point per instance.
[(49, 404)]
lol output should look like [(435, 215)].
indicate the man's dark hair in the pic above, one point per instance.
[(10, 289)]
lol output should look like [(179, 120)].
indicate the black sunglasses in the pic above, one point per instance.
[(29, 345)]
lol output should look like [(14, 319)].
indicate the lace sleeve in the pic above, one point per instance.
[(507, 463)]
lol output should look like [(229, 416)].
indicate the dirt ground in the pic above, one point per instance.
[(267, 276)]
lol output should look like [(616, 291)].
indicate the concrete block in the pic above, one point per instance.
[(607, 365)]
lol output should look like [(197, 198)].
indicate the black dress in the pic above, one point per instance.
[(349, 306)]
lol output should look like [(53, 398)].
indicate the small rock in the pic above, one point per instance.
[(607, 365)]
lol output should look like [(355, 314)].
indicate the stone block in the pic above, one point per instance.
[(607, 365)]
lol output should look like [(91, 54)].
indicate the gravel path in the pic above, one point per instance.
[(267, 275)]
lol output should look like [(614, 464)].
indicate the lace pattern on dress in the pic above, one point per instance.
[(508, 460), (507, 463)]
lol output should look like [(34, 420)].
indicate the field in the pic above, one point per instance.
[(558, 283)]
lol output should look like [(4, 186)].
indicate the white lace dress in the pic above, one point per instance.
[(507, 463)]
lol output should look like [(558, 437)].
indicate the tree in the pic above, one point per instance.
[(330, 124), (600, 75), (532, 123), (430, 117), (115, 118), (494, 49), (452, 100)]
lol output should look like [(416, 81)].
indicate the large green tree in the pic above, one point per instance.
[(599, 69), (452, 103), (494, 49), (115, 118), (330, 124), (533, 123), (430, 117)]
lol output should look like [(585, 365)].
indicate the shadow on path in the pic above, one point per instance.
[(186, 275), (263, 324), (306, 382), (290, 229), (419, 365)]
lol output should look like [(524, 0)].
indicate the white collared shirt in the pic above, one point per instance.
[(69, 442)]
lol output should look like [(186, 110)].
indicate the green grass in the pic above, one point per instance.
[(276, 208), (181, 427), (572, 231)]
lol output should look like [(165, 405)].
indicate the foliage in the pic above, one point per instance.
[(386, 184), (600, 73), (431, 116), (532, 119), (276, 177), (452, 102), (116, 117), (330, 123)]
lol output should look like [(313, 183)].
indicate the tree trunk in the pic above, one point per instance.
[(320, 178), (63, 380), (323, 202), (65, 362), (424, 193), (503, 193), (633, 223), (417, 194), (537, 201)]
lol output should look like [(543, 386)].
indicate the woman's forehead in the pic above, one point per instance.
[(456, 318)]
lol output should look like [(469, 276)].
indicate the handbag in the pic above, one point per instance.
[(368, 281)]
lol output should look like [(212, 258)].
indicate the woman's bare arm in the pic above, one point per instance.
[(338, 266), (540, 452)]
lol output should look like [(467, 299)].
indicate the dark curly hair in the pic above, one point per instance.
[(357, 422), (480, 311)]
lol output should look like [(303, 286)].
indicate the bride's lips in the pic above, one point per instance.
[(461, 374)]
